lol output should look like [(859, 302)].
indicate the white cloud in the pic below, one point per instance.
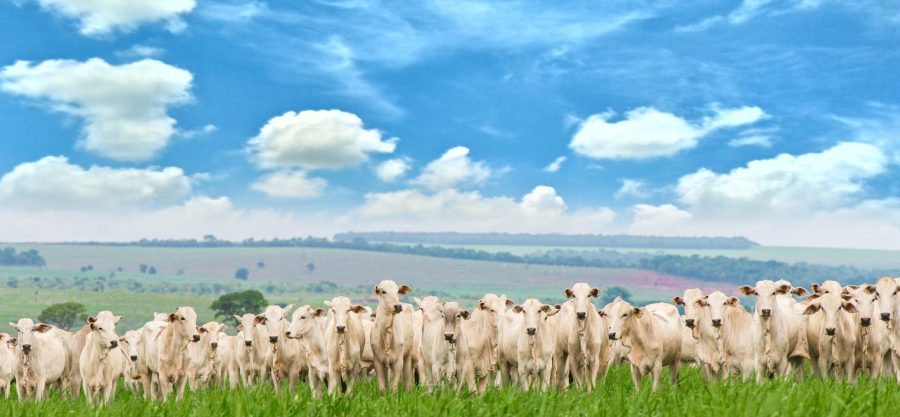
[(193, 133), (141, 51), (664, 220), (124, 106), (763, 141), (555, 165), (392, 169), (290, 185), (454, 168), (633, 189), (54, 183), (540, 211), (646, 132), (316, 139), (786, 183), (103, 17)]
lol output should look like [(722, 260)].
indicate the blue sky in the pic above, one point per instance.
[(777, 120)]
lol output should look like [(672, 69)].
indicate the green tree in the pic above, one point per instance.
[(63, 315), (610, 294), (242, 274), (311, 267), (152, 270), (240, 303)]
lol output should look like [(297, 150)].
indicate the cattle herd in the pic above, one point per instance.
[(841, 331)]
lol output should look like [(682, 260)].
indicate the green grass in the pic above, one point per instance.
[(614, 397)]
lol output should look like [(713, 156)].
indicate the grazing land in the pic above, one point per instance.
[(614, 397)]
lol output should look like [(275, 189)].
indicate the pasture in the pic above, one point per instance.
[(614, 397)]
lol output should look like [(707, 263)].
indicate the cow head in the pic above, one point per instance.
[(717, 305), (886, 293), (693, 301), (581, 294), (303, 321), (103, 330), (431, 308), (766, 293), (388, 293), (26, 329), (340, 309), (866, 303), (535, 312), (184, 323), (131, 342), (832, 303), (621, 317), (274, 320), (212, 333), (452, 315), (252, 326)]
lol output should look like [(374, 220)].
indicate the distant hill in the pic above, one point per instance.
[(558, 240)]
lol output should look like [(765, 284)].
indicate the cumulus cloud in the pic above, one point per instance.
[(633, 189), (453, 169), (141, 51), (392, 169), (290, 185), (316, 139), (54, 183), (555, 165), (103, 17), (660, 220), (646, 132), (123, 106), (540, 211), (763, 141)]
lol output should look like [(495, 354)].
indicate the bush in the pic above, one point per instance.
[(63, 315)]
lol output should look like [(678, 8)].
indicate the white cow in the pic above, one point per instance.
[(167, 356), (432, 326), (344, 340), (887, 289), (101, 362), (130, 344), (41, 358), (7, 362), (205, 361), (306, 328), (449, 346), (873, 346), (730, 343), (581, 339), (227, 359), (512, 325), (779, 329), (392, 337), (536, 344), (832, 331), (150, 331), (691, 351), (253, 348), (652, 335), (481, 332), (287, 360)]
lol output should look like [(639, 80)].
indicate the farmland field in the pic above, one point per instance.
[(613, 397)]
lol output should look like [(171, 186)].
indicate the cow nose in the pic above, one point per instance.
[(398, 308), (448, 337), (341, 329), (766, 312), (581, 315), (612, 336), (885, 316), (134, 358), (287, 334), (273, 339), (214, 345), (196, 338), (113, 343), (865, 321), (829, 331), (248, 342), (689, 323), (717, 322), (531, 331), (26, 347)]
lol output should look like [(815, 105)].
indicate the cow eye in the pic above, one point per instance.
[(625, 315)]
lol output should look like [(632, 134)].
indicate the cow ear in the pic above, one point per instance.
[(42, 328), (464, 314), (13, 341), (846, 297), (870, 289), (122, 339), (405, 289), (700, 303), (375, 289), (595, 292), (327, 303), (358, 309), (799, 291), (850, 308), (602, 313), (93, 327), (678, 301), (91, 319), (517, 309), (748, 290), (237, 317), (637, 312), (816, 288), (259, 320), (568, 293), (813, 296), (509, 303), (852, 287), (545, 308), (481, 305), (287, 309), (558, 307), (418, 301), (811, 309), (783, 289), (14, 326), (171, 317), (201, 330), (319, 312), (239, 327), (223, 328), (733, 301), (117, 318)]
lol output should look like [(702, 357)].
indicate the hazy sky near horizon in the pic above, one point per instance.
[(775, 120)]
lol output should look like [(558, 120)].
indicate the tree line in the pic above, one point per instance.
[(553, 239), (31, 257)]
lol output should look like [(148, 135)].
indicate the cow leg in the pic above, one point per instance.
[(380, 371), (39, 388), (657, 374), (398, 371), (636, 377), (559, 363), (182, 382)]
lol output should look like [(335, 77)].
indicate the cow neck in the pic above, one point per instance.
[(485, 327), (170, 337), (710, 338), (313, 342), (387, 320)]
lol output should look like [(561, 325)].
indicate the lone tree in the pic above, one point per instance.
[(610, 294), (240, 303), (152, 270), (63, 315), (242, 274), (311, 267)]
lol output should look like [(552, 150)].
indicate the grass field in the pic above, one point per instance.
[(614, 397)]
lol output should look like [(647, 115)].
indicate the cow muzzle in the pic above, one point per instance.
[(113, 344), (134, 358), (865, 321), (830, 331), (341, 329), (273, 339), (885, 316), (765, 313), (689, 323), (449, 337), (717, 322), (214, 345), (612, 336), (248, 343), (196, 338), (581, 315), (398, 308), (26, 348), (531, 331)]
